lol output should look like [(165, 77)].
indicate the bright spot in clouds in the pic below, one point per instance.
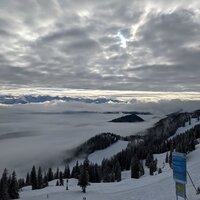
[(84, 13), (122, 40)]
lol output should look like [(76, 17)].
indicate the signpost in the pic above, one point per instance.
[(67, 186), (179, 173)]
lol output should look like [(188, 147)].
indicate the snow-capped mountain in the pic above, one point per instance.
[(9, 99)]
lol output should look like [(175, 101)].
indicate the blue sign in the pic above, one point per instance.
[(179, 167)]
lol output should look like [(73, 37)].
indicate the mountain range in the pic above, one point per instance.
[(9, 99)]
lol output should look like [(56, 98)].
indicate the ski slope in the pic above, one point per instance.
[(99, 155), (187, 127), (157, 187), (115, 148)]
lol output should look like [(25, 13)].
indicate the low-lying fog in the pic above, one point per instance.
[(41, 134)]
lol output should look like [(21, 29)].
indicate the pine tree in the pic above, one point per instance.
[(94, 173), (86, 163), (0, 189), (9, 182), (105, 173), (151, 168), (191, 143), (66, 172), (45, 180), (112, 176), (98, 174), (21, 183), (141, 169), (83, 181), (4, 195), (159, 171), (50, 174), (155, 164), (167, 158), (189, 120), (57, 183), (61, 179), (118, 172), (39, 179), (135, 167), (28, 181), (33, 178), (149, 159), (75, 171), (56, 176), (13, 187)]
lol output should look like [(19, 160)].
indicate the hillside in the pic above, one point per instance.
[(98, 142), (155, 187), (153, 178)]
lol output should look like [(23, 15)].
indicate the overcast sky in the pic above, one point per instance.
[(150, 45)]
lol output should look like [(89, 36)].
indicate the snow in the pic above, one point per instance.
[(99, 155), (115, 148), (157, 187), (187, 127)]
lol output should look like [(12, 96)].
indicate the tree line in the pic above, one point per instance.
[(9, 188)]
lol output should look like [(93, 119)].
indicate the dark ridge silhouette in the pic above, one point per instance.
[(128, 118)]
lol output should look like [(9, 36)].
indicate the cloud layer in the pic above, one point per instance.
[(30, 132), (88, 44)]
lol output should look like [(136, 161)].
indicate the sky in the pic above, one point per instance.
[(121, 45)]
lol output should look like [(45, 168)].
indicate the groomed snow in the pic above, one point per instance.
[(115, 148), (157, 187), (98, 156)]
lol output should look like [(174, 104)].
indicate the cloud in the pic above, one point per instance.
[(122, 45)]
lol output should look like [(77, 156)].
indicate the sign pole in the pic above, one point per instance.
[(67, 187), (192, 182)]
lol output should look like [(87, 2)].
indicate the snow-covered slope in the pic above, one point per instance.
[(157, 187), (99, 155), (115, 148), (187, 127)]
